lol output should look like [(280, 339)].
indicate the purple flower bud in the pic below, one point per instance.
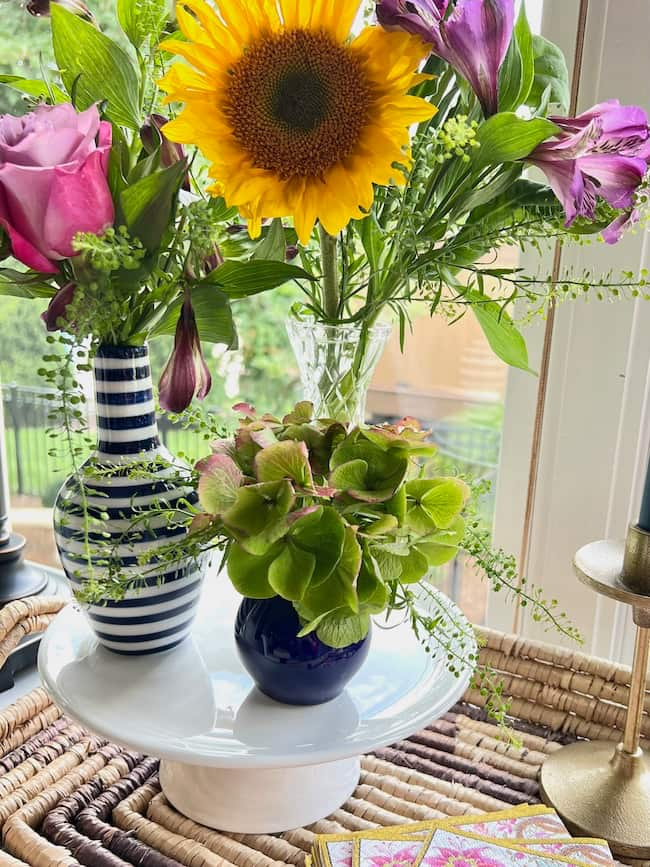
[(152, 138), (38, 8), (186, 373), (291, 252), (213, 261), (55, 315)]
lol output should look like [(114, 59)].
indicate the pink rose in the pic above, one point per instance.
[(53, 181)]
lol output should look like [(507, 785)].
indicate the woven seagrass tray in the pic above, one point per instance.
[(67, 797)]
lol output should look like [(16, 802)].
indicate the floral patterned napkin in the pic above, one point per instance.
[(450, 848), (525, 836)]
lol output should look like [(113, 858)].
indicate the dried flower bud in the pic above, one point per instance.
[(56, 313), (39, 8), (152, 137), (213, 261)]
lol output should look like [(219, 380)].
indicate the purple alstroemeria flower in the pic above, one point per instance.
[(602, 153), (419, 17), (55, 315), (474, 38), (622, 129), (186, 374)]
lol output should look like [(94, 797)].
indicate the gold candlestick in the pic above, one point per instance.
[(600, 791)]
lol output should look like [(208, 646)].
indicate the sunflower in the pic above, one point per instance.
[(296, 117)]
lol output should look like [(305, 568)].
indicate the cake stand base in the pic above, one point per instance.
[(601, 791), (260, 801)]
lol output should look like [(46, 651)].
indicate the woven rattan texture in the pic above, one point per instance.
[(67, 797)]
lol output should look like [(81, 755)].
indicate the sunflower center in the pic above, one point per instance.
[(298, 102)]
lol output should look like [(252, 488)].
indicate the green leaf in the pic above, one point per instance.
[(371, 589), (259, 507), (506, 341), (505, 137), (325, 538), (25, 284), (34, 87), (397, 505), (219, 483), (290, 573), (213, 315), (388, 562), (382, 526), (142, 20), (149, 204), (273, 246), (311, 625), (441, 547), (414, 567), (285, 460), (338, 591), (341, 630), (434, 503), (101, 70), (372, 239), (386, 470), (350, 476), (241, 279), (301, 414), (518, 70), (551, 72), (249, 573)]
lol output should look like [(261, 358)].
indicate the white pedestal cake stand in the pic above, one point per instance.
[(232, 758)]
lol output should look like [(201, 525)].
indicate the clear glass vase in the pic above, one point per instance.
[(336, 365)]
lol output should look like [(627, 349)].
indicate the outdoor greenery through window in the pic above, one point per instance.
[(448, 378)]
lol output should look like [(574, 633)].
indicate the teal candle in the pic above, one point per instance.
[(644, 517)]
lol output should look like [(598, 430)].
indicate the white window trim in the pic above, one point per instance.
[(597, 423)]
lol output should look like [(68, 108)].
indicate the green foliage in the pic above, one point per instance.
[(142, 21), (518, 71), (551, 82), (27, 49), (309, 511), (504, 338), (94, 68), (506, 137)]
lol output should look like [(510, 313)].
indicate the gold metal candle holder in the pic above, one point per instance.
[(597, 790)]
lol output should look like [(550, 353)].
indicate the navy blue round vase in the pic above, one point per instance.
[(292, 670)]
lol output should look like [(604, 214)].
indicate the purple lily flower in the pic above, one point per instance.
[(474, 38), (186, 374), (602, 153), (56, 311)]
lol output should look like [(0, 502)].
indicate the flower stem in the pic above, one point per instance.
[(328, 248)]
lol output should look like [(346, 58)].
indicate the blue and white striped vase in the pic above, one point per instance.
[(157, 612)]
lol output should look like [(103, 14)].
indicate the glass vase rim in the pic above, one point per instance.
[(310, 322)]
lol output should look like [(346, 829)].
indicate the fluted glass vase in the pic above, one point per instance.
[(336, 365)]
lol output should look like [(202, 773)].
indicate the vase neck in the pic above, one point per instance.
[(336, 366), (126, 416)]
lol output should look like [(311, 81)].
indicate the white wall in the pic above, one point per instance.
[(597, 425)]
